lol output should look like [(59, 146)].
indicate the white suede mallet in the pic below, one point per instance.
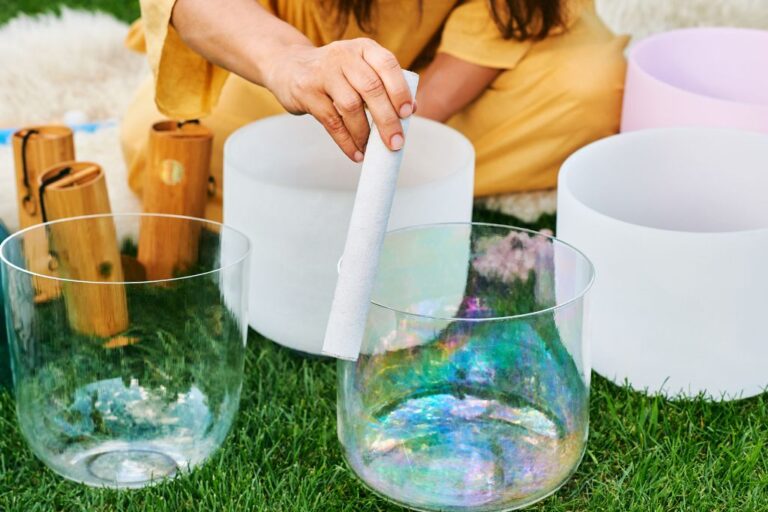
[(370, 216)]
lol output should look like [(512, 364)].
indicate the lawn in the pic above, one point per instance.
[(126, 10), (644, 454)]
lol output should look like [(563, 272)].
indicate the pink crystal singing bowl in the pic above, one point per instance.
[(698, 77)]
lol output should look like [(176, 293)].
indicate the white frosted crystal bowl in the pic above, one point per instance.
[(708, 76), (291, 190), (676, 223)]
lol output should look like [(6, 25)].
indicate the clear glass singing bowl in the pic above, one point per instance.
[(127, 339), (471, 392)]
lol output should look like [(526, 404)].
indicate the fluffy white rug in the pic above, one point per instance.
[(53, 65), (75, 68), (72, 68), (643, 17)]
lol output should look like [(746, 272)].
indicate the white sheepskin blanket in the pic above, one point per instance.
[(68, 69), (641, 18), (74, 68)]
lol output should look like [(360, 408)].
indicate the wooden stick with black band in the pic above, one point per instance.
[(35, 149), (87, 250), (177, 182)]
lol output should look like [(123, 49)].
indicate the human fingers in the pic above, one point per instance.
[(351, 107), (323, 110), (370, 86)]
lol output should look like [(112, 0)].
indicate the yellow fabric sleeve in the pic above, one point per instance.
[(187, 86), (470, 34)]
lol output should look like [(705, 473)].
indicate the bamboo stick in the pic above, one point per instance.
[(35, 149), (176, 183), (87, 250)]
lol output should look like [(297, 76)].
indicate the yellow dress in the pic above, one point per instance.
[(552, 97)]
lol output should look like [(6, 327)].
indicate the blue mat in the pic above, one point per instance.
[(7, 133)]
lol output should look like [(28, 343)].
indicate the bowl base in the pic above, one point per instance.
[(131, 467), (449, 453)]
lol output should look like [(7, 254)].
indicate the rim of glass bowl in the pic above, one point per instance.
[(19, 234), (576, 297)]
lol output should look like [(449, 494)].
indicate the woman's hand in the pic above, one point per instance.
[(335, 83)]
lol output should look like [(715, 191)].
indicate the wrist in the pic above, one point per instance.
[(266, 60)]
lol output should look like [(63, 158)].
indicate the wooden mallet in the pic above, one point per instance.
[(177, 182), (35, 149), (87, 250)]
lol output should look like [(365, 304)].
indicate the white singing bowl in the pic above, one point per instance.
[(714, 77), (291, 190), (675, 221)]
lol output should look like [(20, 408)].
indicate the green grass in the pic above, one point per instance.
[(126, 10), (644, 454)]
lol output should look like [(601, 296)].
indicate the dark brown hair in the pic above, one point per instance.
[(516, 19)]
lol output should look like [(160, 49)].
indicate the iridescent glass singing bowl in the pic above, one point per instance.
[(472, 389)]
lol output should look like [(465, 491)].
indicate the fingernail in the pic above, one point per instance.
[(358, 156), (415, 106), (397, 142), (406, 110)]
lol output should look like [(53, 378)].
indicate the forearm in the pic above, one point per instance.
[(238, 35), (333, 82), (449, 84)]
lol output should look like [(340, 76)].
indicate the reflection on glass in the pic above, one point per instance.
[(472, 390), (152, 395)]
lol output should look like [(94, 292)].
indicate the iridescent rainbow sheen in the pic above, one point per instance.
[(469, 414)]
